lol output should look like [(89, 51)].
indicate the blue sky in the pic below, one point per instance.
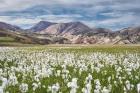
[(112, 14)]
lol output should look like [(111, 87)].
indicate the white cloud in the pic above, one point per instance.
[(123, 20), (60, 16), (19, 21)]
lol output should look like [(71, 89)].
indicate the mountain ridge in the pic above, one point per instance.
[(7, 26), (67, 28), (40, 26), (46, 32)]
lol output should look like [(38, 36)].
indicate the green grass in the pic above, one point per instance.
[(88, 49), (6, 39), (77, 51)]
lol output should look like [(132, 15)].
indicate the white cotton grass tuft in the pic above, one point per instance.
[(105, 90), (88, 85), (138, 88), (73, 85), (35, 86), (54, 88), (23, 88), (4, 84)]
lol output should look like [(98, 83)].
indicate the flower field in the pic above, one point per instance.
[(69, 70)]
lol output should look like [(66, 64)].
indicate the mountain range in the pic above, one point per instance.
[(46, 32)]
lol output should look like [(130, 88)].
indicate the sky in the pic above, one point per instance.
[(112, 14)]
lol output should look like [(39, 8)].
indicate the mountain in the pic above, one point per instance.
[(68, 33), (71, 28), (101, 30), (130, 31), (9, 37), (131, 34), (41, 26), (16, 37), (7, 26)]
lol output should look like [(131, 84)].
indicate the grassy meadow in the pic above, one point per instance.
[(70, 69)]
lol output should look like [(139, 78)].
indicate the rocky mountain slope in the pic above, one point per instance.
[(71, 28), (130, 35), (7, 26), (40, 26)]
